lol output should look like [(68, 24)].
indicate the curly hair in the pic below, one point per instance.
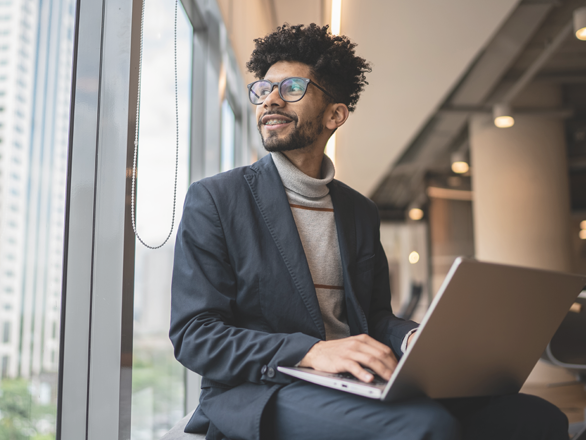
[(331, 58)]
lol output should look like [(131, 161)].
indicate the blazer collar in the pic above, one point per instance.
[(270, 197), (344, 214)]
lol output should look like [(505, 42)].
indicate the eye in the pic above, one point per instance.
[(262, 89), (294, 87)]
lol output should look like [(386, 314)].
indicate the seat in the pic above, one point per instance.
[(567, 349), (177, 433), (408, 308)]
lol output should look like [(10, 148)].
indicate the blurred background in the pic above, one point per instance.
[(470, 138)]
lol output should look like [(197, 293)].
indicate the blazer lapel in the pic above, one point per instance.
[(270, 197), (346, 228)]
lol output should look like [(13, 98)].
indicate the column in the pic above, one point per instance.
[(521, 189), (521, 198)]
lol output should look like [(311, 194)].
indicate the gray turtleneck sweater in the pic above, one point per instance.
[(313, 212)]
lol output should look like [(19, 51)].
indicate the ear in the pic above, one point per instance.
[(336, 116)]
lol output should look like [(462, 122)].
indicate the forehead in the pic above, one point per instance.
[(285, 69)]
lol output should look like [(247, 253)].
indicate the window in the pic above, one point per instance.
[(228, 136), (158, 396), (6, 332), (4, 366), (158, 387), (28, 369)]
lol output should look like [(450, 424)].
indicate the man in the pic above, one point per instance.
[(278, 264)]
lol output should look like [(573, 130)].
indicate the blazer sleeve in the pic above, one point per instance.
[(203, 297), (385, 326)]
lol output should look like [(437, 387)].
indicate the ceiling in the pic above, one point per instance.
[(522, 38)]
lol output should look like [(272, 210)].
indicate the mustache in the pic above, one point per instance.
[(277, 112)]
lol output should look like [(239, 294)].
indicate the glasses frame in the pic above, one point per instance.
[(278, 85)]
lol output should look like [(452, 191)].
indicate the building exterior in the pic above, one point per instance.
[(36, 44), (18, 36)]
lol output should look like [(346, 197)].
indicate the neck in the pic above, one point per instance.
[(309, 162)]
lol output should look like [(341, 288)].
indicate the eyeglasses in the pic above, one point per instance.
[(290, 89)]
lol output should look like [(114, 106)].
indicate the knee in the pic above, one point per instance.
[(443, 426), (520, 416), (546, 420)]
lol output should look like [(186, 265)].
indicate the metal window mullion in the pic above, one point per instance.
[(78, 251), (198, 105), (109, 231), (213, 63), (90, 378)]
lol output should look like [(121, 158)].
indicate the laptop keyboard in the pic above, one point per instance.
[(376, 381)]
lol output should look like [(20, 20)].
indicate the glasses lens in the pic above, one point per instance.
[(259, 91), (293, 89)]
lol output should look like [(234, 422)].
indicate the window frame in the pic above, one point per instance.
[(96, 330)]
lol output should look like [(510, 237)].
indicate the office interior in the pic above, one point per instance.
[(470, 138)]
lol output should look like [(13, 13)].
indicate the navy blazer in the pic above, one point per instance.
[(243, 300)]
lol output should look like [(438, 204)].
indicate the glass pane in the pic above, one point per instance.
[(36, 53), (157, 378), (228, 127)]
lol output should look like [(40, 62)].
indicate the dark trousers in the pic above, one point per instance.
[(306, 411)]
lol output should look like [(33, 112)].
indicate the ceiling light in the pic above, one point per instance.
[(460, 167), (580, 23), (459, 163), (415, 214), (583, 234), (413, 257), (336, 16), (502, 115), (583, 224)]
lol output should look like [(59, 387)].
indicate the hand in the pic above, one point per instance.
[(351, 355)]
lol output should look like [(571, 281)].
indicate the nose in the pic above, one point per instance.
[(273, 99)]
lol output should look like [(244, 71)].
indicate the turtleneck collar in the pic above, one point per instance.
[(297, 181)]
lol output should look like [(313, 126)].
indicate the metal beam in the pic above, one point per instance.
[(537, 64), (552, 113)]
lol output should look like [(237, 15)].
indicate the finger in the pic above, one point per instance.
[(379, 367), (384, 353), (358, 372)]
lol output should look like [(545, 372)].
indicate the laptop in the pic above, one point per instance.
[(482, 335)]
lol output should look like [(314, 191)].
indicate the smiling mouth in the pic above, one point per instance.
[(276, 122)]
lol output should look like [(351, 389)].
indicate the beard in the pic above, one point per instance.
[(302, 136)]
